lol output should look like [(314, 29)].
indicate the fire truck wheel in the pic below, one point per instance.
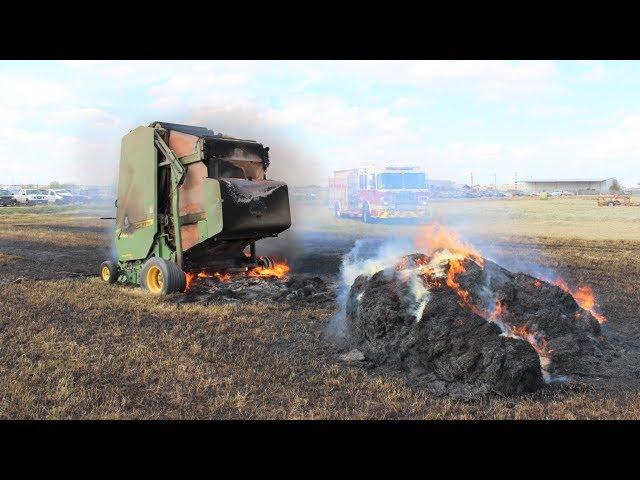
[(336, 210)]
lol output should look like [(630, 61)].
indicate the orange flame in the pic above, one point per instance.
[(222, 277), (435, 237), (500, 311), (584, 297), (279, 270), (535, 339), (455, 267)]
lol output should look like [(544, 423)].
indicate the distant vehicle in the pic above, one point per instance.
[(375, 194), (59, 195), (495, 194), (6, 198), (31, 196), (12, 190)]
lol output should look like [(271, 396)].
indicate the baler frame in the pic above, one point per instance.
[(138, 244)]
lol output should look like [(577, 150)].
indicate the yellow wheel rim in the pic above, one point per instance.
[(154, 279), (105, 274)]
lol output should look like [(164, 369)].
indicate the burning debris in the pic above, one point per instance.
[(462, 325), (279, 269), (275, 283)]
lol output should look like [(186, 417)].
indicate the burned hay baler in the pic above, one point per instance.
[(190, 198)]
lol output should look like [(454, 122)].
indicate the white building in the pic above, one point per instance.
[(579, 186)]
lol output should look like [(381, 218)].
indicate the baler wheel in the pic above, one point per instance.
[(161, 277), (109, 271)]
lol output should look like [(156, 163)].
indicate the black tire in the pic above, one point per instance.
[(337, 210), (109, 271), (160, 277)]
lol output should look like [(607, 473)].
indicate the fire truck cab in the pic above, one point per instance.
[(373, 194)]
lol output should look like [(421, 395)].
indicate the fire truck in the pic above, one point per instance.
[(373, 194)]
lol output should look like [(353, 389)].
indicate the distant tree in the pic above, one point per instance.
[(55, 184), (615, 186)]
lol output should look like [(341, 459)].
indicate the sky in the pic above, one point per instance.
[(64, 120)]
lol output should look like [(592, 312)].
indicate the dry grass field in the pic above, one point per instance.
[(73, 347)]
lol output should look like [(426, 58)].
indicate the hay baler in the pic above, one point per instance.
[(190, 198)]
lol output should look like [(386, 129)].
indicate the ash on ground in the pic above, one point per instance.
[(240, 289), (464, 326)]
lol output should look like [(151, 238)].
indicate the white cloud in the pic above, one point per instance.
[(489, 79), (595, 69), (21, 92), (83, 117), (305, 110)]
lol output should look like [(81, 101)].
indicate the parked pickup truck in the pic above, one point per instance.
[(6, 198), (31, 196), (59, 195)]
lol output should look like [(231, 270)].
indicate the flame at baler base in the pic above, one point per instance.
[(279, 270), (464, 324), (277, 285)]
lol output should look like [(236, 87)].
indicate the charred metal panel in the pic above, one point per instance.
[(182, 144), (188, 129), (235, 158), (254, 209), (136, 222), (217, 254)]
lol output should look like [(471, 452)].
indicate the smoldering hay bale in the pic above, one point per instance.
[(468, 326)]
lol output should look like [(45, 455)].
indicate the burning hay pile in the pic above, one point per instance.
[(462, 325)]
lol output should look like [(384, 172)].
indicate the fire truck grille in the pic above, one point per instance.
[(405, 199)]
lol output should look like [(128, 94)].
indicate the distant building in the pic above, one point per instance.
[(578, 186)]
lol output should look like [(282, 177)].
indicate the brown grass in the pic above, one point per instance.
[(81, 349), (77, 348), (558, 217)]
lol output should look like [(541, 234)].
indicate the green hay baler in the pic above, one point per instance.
[(191, 199)]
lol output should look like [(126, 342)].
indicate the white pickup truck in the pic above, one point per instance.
[(31, 196), (59, 195)]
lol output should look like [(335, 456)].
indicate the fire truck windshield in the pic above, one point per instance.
[(414, 180), (391, 181)]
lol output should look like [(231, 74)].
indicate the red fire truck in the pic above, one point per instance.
[(372, 194)]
